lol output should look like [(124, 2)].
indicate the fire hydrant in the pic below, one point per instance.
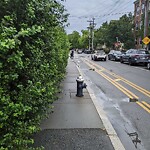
[(80, 86)]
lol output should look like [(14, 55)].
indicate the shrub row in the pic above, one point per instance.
[(33, 57)]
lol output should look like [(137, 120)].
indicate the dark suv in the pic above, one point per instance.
[(114, 55), (135, 56)]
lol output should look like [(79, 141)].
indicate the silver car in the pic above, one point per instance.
[(99, 55)]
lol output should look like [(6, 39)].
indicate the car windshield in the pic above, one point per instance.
[(100, 52), (134, 51), (117, 52)]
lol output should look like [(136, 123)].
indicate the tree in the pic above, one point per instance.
[(74, 39), (101, 35), (84, 39), (125, 29), (121, 29)]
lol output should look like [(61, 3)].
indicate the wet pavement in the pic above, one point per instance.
[(73, 139)]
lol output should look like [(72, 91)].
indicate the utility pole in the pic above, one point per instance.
[(146, 21), (91, 34)]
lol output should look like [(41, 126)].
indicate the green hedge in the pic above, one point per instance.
[(33, 56)]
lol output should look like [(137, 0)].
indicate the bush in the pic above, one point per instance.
[(33, 56)]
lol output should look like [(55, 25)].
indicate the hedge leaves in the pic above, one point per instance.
[(33, 57)]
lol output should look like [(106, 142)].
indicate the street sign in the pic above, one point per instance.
[(146, 40)]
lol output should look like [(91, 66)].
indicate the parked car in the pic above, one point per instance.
[(99, 55), (135, 56), (79, 51), (114, 55), (87, 51)]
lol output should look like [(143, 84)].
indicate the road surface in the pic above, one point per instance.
[(124, 93)]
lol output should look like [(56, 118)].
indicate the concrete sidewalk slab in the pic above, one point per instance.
[(71, 115), (71, 111)]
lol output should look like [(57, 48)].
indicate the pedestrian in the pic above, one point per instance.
[(72, 54)]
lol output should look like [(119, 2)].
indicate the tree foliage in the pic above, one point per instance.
[(84, 39), (33, 56), (79, 41), (121, 29), (74, 39), (107, 34)]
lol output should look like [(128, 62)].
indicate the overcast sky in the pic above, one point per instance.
[(102, 10)]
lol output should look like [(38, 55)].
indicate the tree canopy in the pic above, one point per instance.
[(74, 39), (108, 34), (115, 30)]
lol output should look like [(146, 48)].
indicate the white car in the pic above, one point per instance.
[(99, 55)]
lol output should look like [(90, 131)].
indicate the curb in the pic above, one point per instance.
[(117, 144)]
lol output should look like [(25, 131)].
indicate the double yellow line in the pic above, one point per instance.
[(100, 70), (140, 89), (114, 82), (144, 105)]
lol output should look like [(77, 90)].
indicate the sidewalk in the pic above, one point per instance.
[(75, 123)]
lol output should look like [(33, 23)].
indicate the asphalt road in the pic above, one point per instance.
[(124, 93)]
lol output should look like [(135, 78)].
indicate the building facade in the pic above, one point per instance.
[(139, 10)]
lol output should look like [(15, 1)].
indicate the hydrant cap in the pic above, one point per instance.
[(80, 79)]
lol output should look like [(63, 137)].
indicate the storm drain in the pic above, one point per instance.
[(133, 99)]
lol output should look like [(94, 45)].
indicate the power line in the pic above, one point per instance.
[(117, 8), (117, 13), (112, 11), (112, 6), (112, 14), (98, 6)]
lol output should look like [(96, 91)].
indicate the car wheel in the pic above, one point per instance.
[(94, 58), (130, 62), (148, 66), (104, 59), (121, 60)]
